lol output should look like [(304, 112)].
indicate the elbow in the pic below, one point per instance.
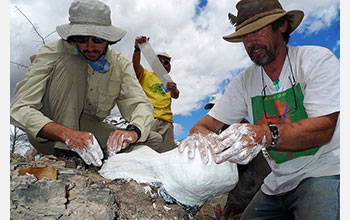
[(329, 130), (327, 137)]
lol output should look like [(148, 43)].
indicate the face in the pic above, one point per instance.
[(262, 45), (91, 47), (165, 61)]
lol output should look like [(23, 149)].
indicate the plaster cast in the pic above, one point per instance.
[(190, 182)]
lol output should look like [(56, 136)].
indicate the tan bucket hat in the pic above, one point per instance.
[(255, 14), (164, 54), (90, 18)]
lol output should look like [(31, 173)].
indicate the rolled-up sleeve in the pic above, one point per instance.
[(25, 107)]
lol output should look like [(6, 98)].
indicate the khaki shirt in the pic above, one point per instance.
[(117, 86)]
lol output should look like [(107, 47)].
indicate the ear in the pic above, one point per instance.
[(284, 26)]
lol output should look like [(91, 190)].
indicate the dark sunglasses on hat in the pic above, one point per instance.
[(84, 39)]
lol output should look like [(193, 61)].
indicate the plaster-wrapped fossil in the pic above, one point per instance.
[(190, 182)]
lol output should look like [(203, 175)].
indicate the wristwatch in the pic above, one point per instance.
[(134, 128), (274, 133)]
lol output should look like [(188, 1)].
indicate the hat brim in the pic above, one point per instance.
[(163, 55), (109, 33), (295, 17)]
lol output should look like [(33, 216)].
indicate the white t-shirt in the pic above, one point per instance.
[(316, 69)]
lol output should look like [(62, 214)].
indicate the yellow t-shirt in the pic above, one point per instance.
[(157, 93)]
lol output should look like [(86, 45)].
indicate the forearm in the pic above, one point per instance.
[(55, 132), (83, 143), (136, 59), (306, 133), (206, 125)]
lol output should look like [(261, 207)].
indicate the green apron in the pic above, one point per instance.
[(282, 108)]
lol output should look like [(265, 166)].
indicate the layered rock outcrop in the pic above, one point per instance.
[(55, 191)]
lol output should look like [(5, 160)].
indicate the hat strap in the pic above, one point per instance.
[(258, 16)]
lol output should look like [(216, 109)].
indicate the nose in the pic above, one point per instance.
[(90, 44)]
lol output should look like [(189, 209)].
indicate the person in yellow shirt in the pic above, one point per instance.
[(159, 94)]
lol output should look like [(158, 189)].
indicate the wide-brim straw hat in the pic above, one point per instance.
[(255, 14), (90, 18)]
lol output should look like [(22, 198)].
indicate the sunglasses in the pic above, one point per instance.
[(85, 39), (164, 62)]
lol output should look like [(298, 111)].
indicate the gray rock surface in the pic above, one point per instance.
[(81, 194)]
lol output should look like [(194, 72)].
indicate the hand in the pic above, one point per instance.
[(87, 147), (140, 40), (171, 86), (119, 140), (200, 141), (239, 143)]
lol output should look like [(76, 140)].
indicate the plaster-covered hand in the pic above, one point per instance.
[(91, 153), (200, 141), (119, 140), (239, 143)]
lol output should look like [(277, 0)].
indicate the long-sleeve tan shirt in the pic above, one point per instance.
[(117, 86)]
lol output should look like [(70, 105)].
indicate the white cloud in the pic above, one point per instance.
[(178, 129), (318, 14), (336, 46), (202, 60)]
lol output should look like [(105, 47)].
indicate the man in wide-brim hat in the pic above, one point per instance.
[(73, 84), (254, 15), (291, 95)]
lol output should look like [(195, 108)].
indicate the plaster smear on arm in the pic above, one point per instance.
[(188, 181)]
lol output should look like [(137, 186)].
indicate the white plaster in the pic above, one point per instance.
[(91, 154), (188, 181)]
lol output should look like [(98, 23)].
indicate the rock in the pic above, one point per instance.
[(30, 154), (82, 194)]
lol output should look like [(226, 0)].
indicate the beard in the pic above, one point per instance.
[(86, 54), (261, 60)]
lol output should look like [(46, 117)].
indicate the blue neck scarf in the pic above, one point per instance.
[(100, 65)]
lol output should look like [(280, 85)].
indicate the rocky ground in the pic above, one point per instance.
[(56, 191)]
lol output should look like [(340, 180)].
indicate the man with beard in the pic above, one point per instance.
[(72, 85), (291, 95)]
